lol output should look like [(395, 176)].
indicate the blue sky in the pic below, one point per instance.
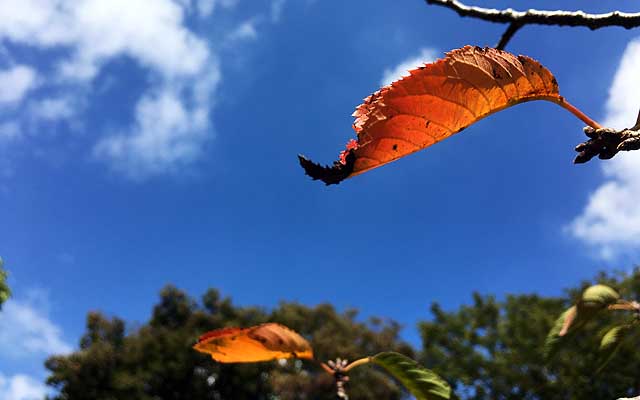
[(156, 143)]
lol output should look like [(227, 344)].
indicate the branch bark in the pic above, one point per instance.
[(540, 17), (508, 34), (606, 143)]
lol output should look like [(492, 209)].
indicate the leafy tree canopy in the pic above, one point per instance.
[(495, 349), (155, 360), (490, 349)]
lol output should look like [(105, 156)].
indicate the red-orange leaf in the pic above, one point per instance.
[(258, 343), (435, 102)]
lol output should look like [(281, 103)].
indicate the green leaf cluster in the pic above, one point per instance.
[(495, 348), (5, 292), (593, 301)]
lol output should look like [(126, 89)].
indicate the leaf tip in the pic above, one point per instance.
[(331, 175)]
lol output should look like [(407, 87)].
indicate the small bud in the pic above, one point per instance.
[(590, 132), (582, 158), (608, 134), (632, 143), (581, 147)]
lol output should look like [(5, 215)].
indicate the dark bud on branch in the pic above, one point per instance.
[(606, 143)]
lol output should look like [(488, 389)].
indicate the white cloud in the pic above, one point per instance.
[(425, 55), (180, 70), (21, 387), (53, 108), (15, 82), (27, 331), (610, 221), (245, 31), (150, 31), (153, 33), (207, 7), (167, 136), (27, 336)]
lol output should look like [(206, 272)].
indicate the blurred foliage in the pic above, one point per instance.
[(155, 360), (5, 292), (495, 349), (490, 349)]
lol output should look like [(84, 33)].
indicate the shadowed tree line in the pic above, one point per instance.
[(490, 349)]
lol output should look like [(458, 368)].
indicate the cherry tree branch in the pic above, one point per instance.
[(606, 143), (517, 19), (560, 18), (508, 34)]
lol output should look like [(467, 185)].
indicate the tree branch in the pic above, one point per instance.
[(508, 34), (539, 17), (606, 143)]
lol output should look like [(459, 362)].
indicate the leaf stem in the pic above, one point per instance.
[(357, 363), (327, 368), (574, 110)]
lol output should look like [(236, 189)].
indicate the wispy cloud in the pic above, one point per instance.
[(425, 55), (166, 136), (15, 82), (244, 31), (94, 32), (610, 222), (172, 118), (27, 337), (21, 387), (53, 109), (26, 330), (207, 7)]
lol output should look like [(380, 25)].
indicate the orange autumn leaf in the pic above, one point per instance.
[(258, 343), (436, 101)]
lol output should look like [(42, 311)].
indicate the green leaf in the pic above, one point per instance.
[(5, 292), (599, 296), (422, 383), (614, 336), (554, 339), (594, 299), (611, 342)]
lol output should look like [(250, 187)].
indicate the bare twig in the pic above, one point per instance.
[(339, 373), (636, 127), (517, 19), (508, 34), (539, 17), (625, 305), (325, 367)]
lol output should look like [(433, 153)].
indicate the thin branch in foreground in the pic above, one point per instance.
[(540, 17), (508, 34)]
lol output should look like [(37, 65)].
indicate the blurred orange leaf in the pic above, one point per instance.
[(436, 101), (258, 343)]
